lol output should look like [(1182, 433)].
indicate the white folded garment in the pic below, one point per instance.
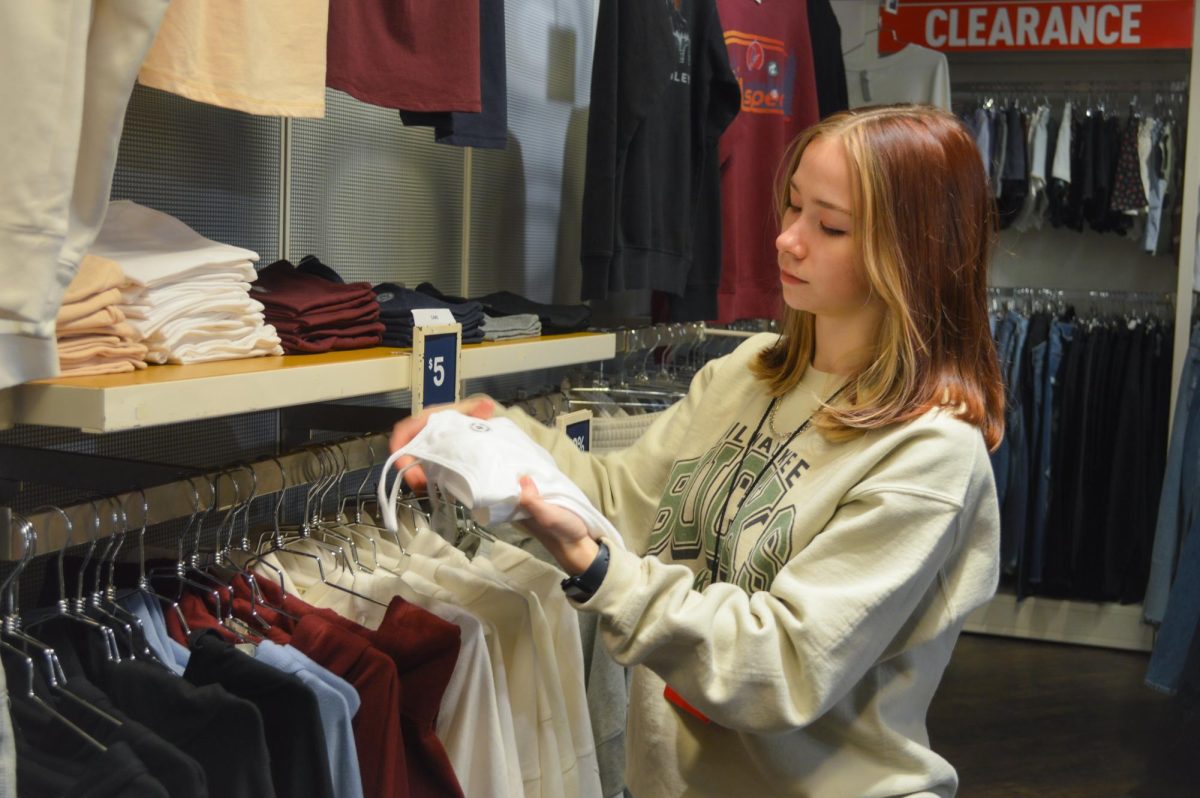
[(261, 341), (227, 325), (153, 247), (183, 336), (147, 320), (480, 463)]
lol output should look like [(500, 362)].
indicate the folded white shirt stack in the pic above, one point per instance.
[(92, 332), (186, 297)]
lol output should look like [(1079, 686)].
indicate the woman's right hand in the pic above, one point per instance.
[(404, 431)]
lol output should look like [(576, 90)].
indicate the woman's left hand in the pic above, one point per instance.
[(562, 532)]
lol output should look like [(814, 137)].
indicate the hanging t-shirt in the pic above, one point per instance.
[(770, 52), (661, 95), (488, 128), (265, 57), (829, 67), (409, 54), (915, 74)]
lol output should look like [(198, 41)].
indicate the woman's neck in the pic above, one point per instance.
[(844, 345)]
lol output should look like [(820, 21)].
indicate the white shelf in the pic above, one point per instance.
[(170, 394), (1079, 622)]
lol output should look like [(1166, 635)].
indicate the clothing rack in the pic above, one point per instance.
[(643, 338), (213, 491), (1070, 88), (1084, 299)]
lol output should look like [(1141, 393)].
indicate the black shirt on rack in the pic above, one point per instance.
[(291, 719), (180, 774), (54, 760), (220, 731)]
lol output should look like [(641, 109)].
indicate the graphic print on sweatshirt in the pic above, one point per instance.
[(683, 43), (759, 541), (765, 71)]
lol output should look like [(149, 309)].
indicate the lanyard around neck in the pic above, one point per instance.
[(720, 532)]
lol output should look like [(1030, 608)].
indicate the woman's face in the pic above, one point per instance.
[(818, 256)]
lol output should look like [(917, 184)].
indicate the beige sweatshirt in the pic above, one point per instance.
[(844, 582)]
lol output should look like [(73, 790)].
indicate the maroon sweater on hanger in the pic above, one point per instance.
[(770, 52), (378, 737)]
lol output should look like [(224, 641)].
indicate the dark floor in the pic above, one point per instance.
[(1020, 718)]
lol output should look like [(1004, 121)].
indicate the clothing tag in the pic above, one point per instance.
[(864, 85), (676, 699), (424, 317)]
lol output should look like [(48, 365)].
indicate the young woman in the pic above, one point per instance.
[(809, 527)]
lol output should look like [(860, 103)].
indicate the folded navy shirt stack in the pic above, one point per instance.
[(317, 313), (553, 318), (396, 304)]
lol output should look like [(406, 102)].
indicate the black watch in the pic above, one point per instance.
[(581, 586)]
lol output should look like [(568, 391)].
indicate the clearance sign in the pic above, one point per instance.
[(1038, 25)]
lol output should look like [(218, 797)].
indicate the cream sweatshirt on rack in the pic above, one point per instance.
[(845, 580)]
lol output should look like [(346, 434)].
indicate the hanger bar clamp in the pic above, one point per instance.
[(179, 499)]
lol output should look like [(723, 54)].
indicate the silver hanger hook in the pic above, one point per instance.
[(183, 535), (142, 583), (370, 465), (212, 480), (111, 547), (93, 539), (28, 538), (231, 513), (283, 486), (70, 530), (245, 542)]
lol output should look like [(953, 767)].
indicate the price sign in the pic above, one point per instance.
[(437, 349), (578, 427)]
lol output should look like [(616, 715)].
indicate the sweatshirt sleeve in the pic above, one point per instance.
[(776, 660), (625, 486)]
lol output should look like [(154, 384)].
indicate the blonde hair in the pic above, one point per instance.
[(924, 225)]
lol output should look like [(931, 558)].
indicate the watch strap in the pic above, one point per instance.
[(582, 586)]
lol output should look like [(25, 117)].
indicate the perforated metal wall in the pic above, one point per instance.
[(373, 199), (215, 169)]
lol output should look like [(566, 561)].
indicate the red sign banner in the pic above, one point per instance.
[(999, 25)]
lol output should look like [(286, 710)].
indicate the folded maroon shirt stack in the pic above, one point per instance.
[(313, 315)]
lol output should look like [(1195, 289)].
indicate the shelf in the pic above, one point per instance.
[(1080, 622), (171, 394)]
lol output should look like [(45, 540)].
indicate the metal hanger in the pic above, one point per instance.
[(22, 657), (72, 610), (92, 605), (55, 676), (180, 571), (297, 543), (226, 559), (143, 582)]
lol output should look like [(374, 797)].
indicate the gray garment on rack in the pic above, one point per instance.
[(608, 704)]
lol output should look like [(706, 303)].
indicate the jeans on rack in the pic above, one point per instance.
[(1176, 655), (1010, 460), (1016, 515), (1061, 334), (1176, 504)]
